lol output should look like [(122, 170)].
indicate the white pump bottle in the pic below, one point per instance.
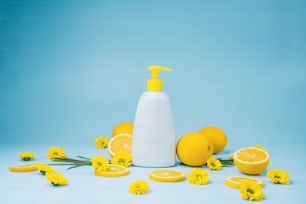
[(153, 143)]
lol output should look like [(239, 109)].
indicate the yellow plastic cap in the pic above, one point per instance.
[(156, 84)]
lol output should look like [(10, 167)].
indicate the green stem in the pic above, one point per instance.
[(226, 162), (78, 165), (67, 159), (69, 164), (72, 162), (84, 158)]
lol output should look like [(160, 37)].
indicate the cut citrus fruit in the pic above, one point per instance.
[(114, 170), (251, 160), (216, 136), (120, 143), (123, 127), (193, 149), (24, 168), (166, 175), (236, 181)]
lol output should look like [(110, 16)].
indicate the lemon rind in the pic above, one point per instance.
[(23, 168)]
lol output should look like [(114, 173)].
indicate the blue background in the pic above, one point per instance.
[(70, 70)]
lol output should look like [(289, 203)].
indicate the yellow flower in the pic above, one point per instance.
[(56, 153), (198, 176), (139, 187), (26, 156), (101, 142), (44, 168), (56, 178), (100, 162), (278, 176), (214, 164), (122, 158), (251, 191)]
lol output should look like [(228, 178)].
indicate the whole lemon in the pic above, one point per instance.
[(123, 128), (216, 136), (193, 149)]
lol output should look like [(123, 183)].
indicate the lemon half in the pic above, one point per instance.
[(120, 143), (251, 160)]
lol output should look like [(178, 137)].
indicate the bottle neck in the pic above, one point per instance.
[(155, 85)]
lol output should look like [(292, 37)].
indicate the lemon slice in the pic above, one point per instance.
[(114, 170), (251, 160), (236, 181), (166, 175), (120, 143), (24, 168)]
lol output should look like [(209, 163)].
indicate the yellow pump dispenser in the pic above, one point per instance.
[(156, 84)]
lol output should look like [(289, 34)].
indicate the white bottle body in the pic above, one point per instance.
[(153, 143)]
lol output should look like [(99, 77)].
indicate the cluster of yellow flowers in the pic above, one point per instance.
[(54, 153), (253, 191), (197, 176), (54, 177), (121, 158), (249, 190), (99, 163)]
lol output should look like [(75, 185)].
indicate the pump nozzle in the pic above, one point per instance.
[(156, 84)]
